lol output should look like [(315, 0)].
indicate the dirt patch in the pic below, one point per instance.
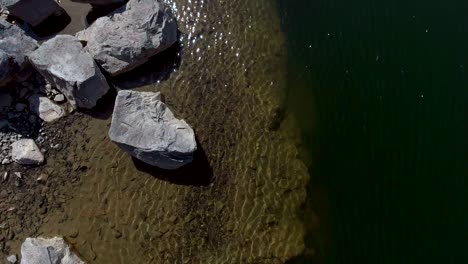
[(29, 194)]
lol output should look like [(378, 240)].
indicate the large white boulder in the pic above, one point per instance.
[(66, 65), (131, 35), (47, 251), (32, 11), (15, 47), (143, 126), (26, 152)]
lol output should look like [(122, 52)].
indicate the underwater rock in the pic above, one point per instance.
[(130, 35), (65, 64), (143, 126), (26, 152), (45, 108), (47, 250), (32, 12), (15, 46)]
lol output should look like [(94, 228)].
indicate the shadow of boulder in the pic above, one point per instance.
[(198, 173), (157, 69), (51, 26)]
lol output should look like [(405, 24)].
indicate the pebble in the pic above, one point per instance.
[(24, 92), (18, 174), (17, 183), (20, 107), (42, 210), (117, 234), (59, 98), (5, 176), (42, 178), (12, 259)]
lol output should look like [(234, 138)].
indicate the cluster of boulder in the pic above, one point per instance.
[(76, 66)]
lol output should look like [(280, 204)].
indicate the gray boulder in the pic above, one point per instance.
[(32, 12), (131, 35), (47, 251), (143, 126), (66, 65), (15, 47), (26, 152), (45, 108)]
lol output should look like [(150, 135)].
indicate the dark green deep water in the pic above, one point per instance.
[(380, 90)]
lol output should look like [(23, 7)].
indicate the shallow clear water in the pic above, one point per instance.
[(240, 200)]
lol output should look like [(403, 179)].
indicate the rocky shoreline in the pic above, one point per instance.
[(43, 82)]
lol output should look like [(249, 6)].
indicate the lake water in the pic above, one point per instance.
[(380, 91), (329, 132)]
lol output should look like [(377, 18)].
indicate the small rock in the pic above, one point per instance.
[(42, 210), (23, 93), (6, 161), (18, 174), (12, 259), (73, 233), (26, 152), (20, 107), (59, 98), (43, 177), (5, 176), (45, 108), (32, 119), (117, 234)]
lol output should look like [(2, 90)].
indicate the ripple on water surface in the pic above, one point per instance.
[(238, 202)]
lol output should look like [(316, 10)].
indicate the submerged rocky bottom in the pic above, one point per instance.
[(238, 202)]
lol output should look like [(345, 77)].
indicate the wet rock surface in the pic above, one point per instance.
[(131, 35), (47, 250), (32, 11), (144, 127), (66, 65), (15, 47)]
